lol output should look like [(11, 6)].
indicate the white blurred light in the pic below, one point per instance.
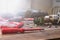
[(8, 6), (13, 6)]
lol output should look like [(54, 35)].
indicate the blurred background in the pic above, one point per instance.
[(10, 8)]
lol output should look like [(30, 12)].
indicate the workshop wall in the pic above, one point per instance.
[(56, 3), (43, 5)]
